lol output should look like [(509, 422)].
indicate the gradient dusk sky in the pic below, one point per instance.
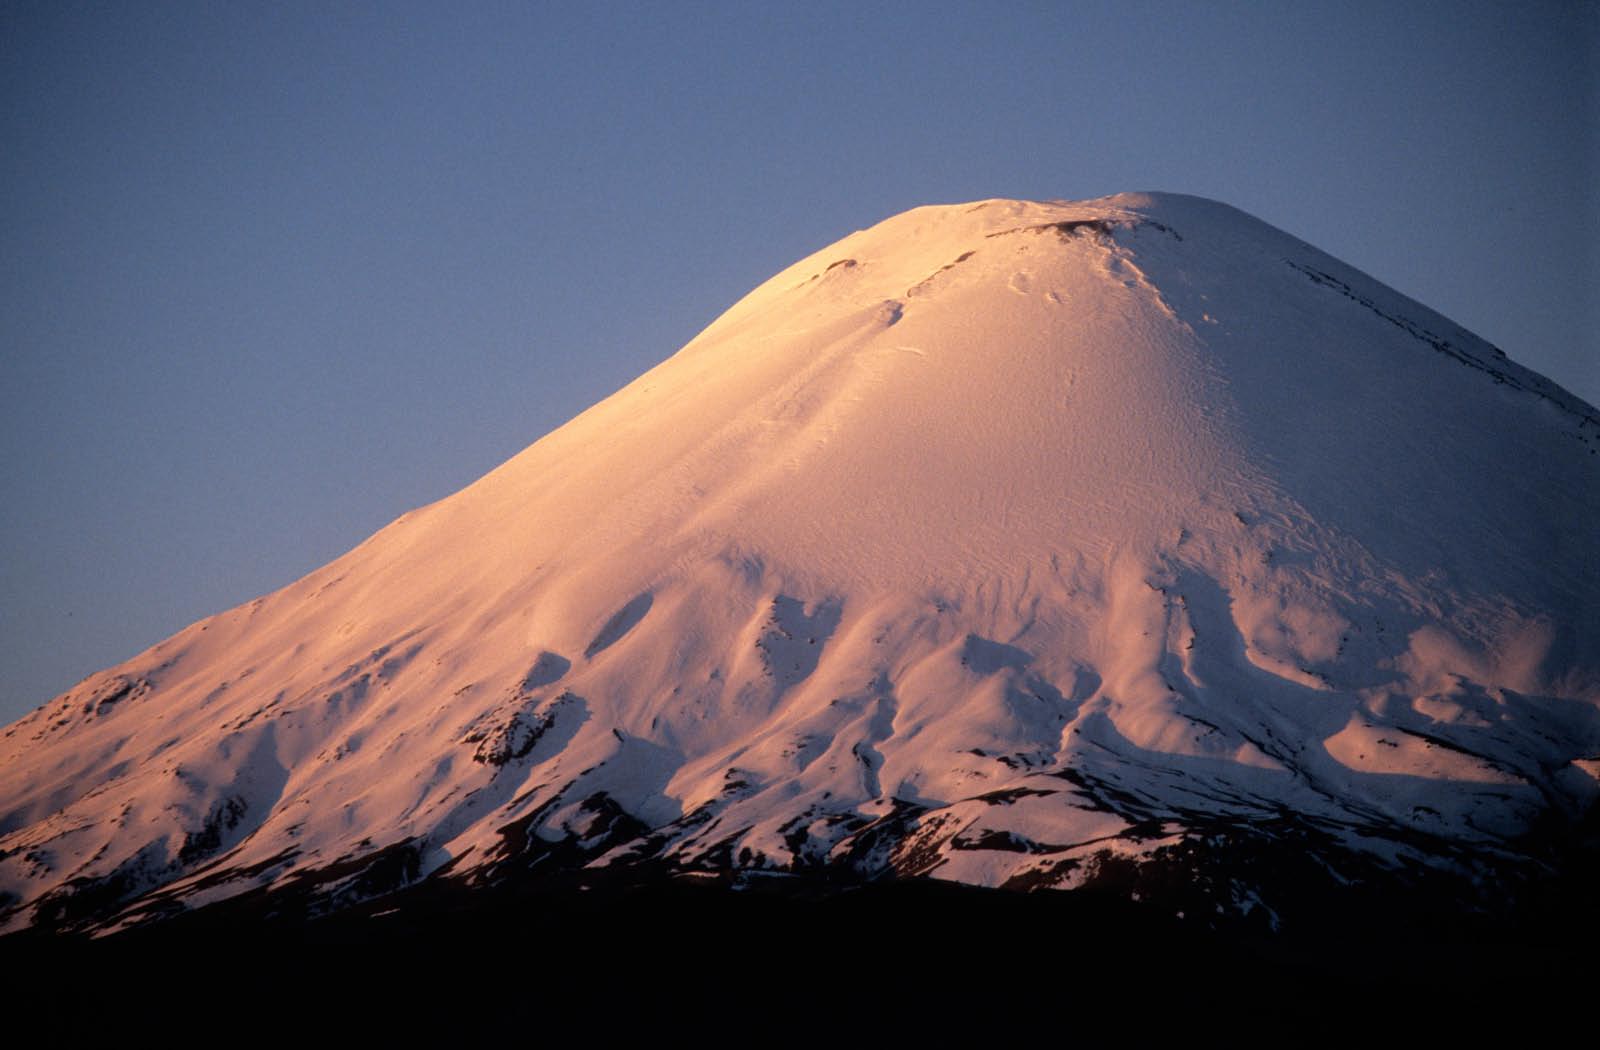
[(274, 274)]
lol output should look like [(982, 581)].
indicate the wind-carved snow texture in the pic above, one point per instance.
[(1040, 545)]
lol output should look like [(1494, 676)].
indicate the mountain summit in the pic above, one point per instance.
[(1024, 544)]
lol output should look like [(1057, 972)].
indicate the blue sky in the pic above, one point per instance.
[(271, 275)]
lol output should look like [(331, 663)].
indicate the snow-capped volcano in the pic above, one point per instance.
[(1008, 542)]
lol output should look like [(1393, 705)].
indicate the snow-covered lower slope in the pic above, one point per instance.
[(1006, 542)]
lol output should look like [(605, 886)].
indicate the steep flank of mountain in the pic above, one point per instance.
[(1012, 543)]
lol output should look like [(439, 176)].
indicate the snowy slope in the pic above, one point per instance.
[(996, 542)]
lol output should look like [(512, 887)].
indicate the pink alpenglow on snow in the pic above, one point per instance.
[(1001, 542)]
